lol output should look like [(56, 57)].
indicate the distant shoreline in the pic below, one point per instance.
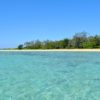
[(58, 50)]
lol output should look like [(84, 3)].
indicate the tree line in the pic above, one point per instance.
[(79, 40)]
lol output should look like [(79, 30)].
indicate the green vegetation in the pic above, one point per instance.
[(79, 40), (20, 46)]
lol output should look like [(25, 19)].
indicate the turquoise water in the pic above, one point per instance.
[(49, 76)]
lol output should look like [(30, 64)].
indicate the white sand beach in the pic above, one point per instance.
[(57, 50)]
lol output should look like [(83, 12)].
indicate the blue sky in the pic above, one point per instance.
[(26, 20)]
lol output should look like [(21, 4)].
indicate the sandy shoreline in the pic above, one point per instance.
[(58, 50)]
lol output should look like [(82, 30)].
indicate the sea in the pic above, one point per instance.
[(49, 75)]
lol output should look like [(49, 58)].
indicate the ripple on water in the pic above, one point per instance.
[(49, 76)]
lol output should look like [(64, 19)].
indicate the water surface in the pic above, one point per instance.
[(49, 76)]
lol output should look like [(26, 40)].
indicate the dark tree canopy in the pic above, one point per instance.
[(20, 46), (79, 40)]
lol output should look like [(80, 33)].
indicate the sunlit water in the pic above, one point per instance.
[(49, 76)]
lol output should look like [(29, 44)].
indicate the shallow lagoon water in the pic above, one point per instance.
[(49, 75)]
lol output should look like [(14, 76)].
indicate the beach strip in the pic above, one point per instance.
[(57, 50)]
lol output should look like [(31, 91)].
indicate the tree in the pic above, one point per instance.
[(92, 42), (78, 40), (20, 46), (37, 44), (29, 45), (65, 43), (97, 41)]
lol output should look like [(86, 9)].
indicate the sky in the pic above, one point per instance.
[(27, 20)]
